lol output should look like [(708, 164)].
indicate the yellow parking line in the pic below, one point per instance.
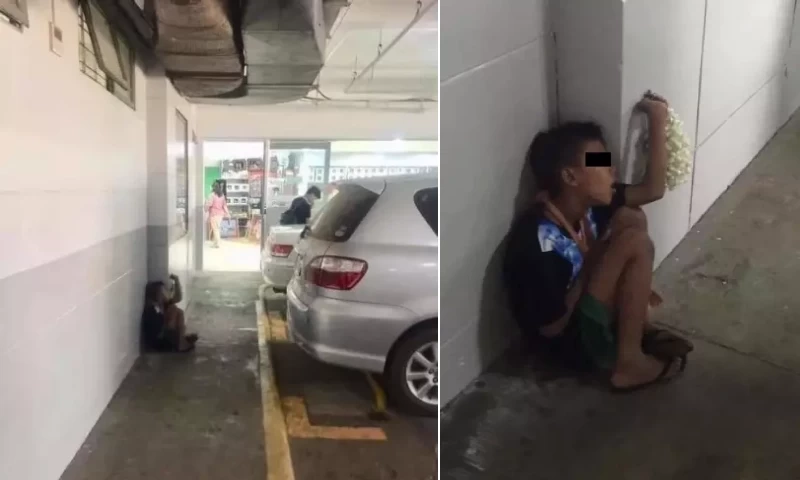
[(277, 327), (276, 439), (298, 425), (292, 419), (377, 393)]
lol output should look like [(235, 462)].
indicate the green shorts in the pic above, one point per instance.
[(596, 331)]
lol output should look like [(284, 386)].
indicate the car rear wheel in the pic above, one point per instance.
[(413, 375)]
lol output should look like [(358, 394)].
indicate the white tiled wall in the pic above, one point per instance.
[(73, 185), (744, 91), (745, 46), (494, 97), (589, 59), (661, 52)]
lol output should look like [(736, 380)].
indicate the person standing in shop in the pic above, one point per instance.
[(217, 207)]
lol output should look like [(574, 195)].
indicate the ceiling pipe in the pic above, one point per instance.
[(421, 11)]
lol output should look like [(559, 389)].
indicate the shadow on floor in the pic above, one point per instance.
[(733, 415), (193, 416)]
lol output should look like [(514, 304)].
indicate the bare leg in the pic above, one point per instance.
[(621, 279), (177, 321), (215, 233), (625, 221)]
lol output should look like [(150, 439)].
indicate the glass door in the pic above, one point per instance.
[(233, 236), (290, 170)]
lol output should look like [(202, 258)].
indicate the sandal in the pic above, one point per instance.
[(661, 378), (665, 345)]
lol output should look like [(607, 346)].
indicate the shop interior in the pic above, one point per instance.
[(239, 167), (260, 179)]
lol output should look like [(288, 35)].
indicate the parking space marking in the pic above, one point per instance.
[(276, 439), (299, 426), (288, 417), (378, 394), (277, 327)]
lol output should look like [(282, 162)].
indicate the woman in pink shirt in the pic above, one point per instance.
[(217, 207)]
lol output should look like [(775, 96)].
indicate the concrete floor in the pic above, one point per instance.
[(734, 414), (232, 256), (189, 416), (199, 416)]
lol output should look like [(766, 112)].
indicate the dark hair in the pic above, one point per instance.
[(152, 290), (554, 149), (314, 190)]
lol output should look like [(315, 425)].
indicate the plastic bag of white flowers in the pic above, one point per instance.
[(679, 150)]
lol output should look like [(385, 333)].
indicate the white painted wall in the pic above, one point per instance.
[(74, 177), (299, 122), (494, 98), (55, 166)]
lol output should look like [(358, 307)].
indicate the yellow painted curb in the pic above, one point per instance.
[(276, 439), (277, 327)]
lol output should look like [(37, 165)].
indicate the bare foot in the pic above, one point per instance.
[(643, 371)]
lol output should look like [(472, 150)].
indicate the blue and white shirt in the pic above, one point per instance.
[(542, 262)]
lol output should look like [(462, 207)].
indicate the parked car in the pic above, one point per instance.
[(365, 290), (279, 256)]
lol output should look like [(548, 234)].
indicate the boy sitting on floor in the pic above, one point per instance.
[(163, 322), (579, 264)]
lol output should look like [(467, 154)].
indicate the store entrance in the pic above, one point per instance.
[(232, 237)]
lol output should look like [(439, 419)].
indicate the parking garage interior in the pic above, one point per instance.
[(106, 130)]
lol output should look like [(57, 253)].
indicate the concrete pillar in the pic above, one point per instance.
[(170, 249), (157, 178)]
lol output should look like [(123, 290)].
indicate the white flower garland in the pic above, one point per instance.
[(679, 152)]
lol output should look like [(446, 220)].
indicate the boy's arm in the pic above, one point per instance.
[(576, 291), (653, 185), (570, 301)]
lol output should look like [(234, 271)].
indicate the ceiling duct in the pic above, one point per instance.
[(198, 46), (284, 50)]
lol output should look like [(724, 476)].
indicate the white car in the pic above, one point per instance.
[(279, 255)]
